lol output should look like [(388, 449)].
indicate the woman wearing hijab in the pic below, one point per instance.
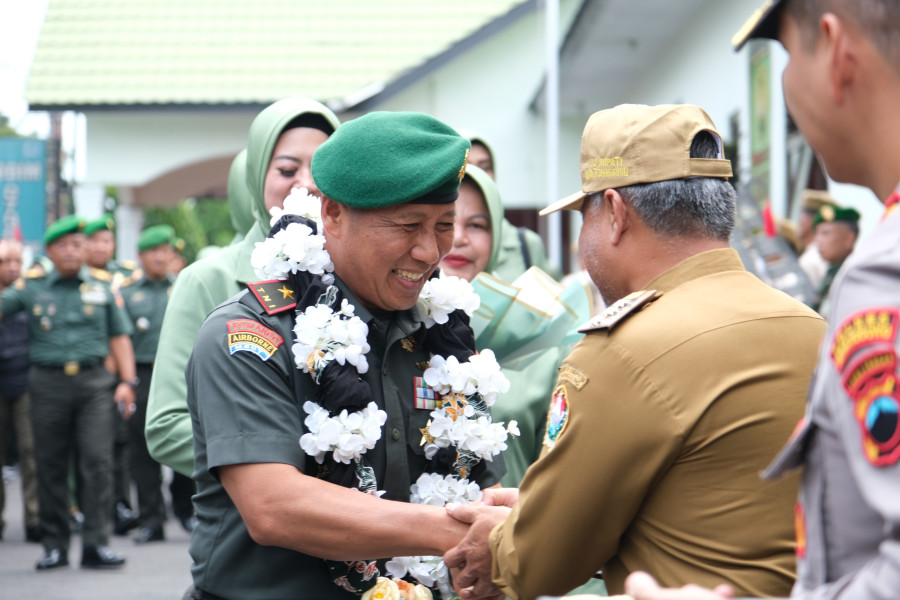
[(529, 323), (282, 140)]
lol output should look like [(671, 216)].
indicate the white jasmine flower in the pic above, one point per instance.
[(301, 203), (347, 435), (441, 296)]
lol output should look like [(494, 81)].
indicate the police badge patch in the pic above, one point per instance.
[(557, 416), (864, 352)]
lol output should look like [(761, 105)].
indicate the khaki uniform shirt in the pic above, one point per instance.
[(662, 422), (849, 514), (71, 319)]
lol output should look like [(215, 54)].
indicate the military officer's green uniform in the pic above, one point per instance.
[(70, 323), (145, 300), (246, 394)]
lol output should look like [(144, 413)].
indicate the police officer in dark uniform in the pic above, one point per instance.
[(75, 320), (146, 293)]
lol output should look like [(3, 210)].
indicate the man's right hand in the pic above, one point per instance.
[(641, 586)]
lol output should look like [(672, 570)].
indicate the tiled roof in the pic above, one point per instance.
[(182, 52)]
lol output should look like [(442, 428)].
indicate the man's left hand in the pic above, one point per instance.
[(470, 561), (124, 397)]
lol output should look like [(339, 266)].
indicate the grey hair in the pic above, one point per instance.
[(694, 207)]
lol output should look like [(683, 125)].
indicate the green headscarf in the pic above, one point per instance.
[(265, 130), (491, 194), (240, 202)]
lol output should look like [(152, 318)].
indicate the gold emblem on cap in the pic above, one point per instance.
[(462, 169), (827, 212), (750, 24)]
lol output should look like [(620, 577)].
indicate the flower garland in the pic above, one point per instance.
[(344, 423)]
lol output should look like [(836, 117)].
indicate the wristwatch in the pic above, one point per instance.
[(132, 382)]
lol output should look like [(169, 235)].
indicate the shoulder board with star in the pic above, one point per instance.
[(101, 274), (128, 265), (616, 312), (35, 273), (275, 295)]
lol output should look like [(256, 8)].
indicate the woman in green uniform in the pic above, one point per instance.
[(281, 143)]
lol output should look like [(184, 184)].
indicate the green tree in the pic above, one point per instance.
[(6, 130), (199, 222)]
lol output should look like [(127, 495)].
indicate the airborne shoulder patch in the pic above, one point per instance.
[(275, 295), (247, 335), (617, 311)]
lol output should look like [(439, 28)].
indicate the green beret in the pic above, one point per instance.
[(64, 226), (154, 236), (829, 214), (389, 158), (104, 223)]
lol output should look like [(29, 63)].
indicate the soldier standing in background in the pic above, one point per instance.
[(101, 248), (14, 365), (74, 321), (145, 294)]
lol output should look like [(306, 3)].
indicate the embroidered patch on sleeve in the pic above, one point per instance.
[(426, 398), (275, 295), (246, 335), (572, 375), (557, 416), (864, 352)]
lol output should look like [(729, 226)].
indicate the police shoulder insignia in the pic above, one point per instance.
[(247, 335), (864, 352), (557, 416), (616, 312), (101, 274), (275, 295)]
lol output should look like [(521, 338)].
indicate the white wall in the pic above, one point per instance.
[(489, 89), (168, 140)]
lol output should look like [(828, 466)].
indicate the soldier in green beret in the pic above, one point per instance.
[(101, 248), (146, 293), (74, 321), (281, 519), (836, 229)]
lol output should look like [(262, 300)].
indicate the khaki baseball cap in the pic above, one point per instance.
[(763, 23), (635, 143)]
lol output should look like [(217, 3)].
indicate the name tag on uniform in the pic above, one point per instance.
[(92, 295)]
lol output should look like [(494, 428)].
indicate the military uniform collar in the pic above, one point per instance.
[(84, 274), (699, 265)]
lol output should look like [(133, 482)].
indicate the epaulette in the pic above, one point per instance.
[(131, 279), (128, 264), (617, 311), (101, 274), (275, 295), (35, 272)]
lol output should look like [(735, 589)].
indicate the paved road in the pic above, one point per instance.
[(155, 571)]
